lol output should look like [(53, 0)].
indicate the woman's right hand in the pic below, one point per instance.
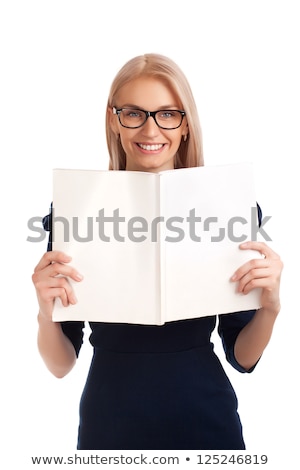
[(50, 279)]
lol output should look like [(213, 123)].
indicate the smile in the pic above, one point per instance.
[(152, 147)]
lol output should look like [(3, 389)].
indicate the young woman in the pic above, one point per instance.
[(157, 387)]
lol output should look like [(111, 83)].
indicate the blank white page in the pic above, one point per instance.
[(121, 278), (196, 275)]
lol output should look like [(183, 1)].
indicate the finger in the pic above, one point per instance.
[(66, 298), (58, 269), (60, 293), (55, 269), (261, 247), (67, 294), (254, 284), (252, 276), (251, 265), (50, 257), (57, 287)]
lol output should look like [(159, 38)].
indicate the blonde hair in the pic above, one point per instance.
[(190, 152)]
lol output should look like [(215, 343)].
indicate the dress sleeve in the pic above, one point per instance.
[(229, 327), (72, 329)]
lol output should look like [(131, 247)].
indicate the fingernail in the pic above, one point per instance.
[(73, 300), (244, 245), (78, 277)]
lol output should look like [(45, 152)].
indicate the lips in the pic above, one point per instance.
[(152, 147)]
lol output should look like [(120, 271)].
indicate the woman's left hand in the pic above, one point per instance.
[(264, 273)]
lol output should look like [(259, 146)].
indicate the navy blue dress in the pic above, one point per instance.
[(159, 387)]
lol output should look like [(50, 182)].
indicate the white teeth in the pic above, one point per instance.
[(151, 147)]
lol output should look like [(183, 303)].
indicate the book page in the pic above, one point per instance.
[(209, 212), (100, 218)]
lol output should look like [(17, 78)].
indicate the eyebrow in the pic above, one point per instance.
[(134, 106)]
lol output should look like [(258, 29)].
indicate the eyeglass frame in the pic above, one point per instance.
[(148, 114)]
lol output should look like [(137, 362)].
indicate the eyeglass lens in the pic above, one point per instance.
[(168, 119)]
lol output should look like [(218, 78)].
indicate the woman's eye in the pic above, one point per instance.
[(133, 114), (167, 114)]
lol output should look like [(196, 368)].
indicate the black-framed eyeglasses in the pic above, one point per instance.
[(165, 118)]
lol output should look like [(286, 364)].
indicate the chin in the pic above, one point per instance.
[(150, 163)]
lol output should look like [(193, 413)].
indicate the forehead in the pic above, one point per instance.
[(148, 93)]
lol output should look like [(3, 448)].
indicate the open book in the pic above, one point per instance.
[(154, 247)]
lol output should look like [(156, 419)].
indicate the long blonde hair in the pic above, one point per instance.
[(190, 152)]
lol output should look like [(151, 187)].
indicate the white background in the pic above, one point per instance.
[(57, 61)]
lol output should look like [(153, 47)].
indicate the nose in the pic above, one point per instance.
[(150, 127)]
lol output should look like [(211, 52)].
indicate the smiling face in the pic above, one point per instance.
[(148, 148)]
